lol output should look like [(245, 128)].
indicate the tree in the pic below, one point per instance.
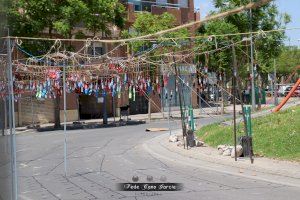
[(147, 23), (267, 46), (101, 13), (288, 59), (71, 13), (220, 60), (34, 18), (31, 18)]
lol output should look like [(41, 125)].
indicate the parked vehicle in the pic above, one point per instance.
[(295, 94), (282, 89)]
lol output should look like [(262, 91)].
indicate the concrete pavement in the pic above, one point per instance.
[(271, 170), (98, 159)]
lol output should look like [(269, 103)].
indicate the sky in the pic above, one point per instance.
[(292, 7)]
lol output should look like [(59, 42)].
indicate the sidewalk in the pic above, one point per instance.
[(175, 114), (207, 158)]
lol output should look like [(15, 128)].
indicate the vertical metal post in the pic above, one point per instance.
[(217, 98), (234, 99), (180, 102), (65, 119), (275, 85), (149, 108), (114, 107), (252, 65), (200, 100), (5, 115), (169, 104), (2, 116), (12, 124)]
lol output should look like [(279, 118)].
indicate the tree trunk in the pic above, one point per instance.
[(259, 92), (222, 94), (50, 31)]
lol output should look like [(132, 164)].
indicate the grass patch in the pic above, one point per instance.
[(276, 135)]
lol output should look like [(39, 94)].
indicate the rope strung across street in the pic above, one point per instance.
[(249, 6)]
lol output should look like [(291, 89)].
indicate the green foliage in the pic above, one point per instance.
[(276, 135), (147, 23), (34, 17), (70, 15), (220, 60), (288, 60), (30, 18), (39, 17), (267, 46), (101, 13), (4, 4)]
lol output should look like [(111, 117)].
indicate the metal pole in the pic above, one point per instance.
[(12, 124), (234, 99), (65, 120), (275, 85), (114, 112), (5, 115), (1, 117), (252, 64), (180, 101), (217, 98), (170, 100)]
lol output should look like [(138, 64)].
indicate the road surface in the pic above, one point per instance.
[(98, 159)]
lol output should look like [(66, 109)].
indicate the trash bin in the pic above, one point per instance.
[(246, 143)]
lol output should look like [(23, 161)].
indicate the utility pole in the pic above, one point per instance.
[(252, 64)]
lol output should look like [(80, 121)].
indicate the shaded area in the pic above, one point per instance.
[(79, 125)]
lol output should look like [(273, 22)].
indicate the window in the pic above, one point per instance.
[(95, 51)]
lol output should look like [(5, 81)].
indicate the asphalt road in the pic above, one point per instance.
[(98, 159)]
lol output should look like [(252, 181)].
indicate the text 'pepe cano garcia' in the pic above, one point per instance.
[(150, 186)]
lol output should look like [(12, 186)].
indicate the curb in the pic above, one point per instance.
[(219, 167)]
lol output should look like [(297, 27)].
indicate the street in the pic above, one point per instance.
[(98, 159)]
